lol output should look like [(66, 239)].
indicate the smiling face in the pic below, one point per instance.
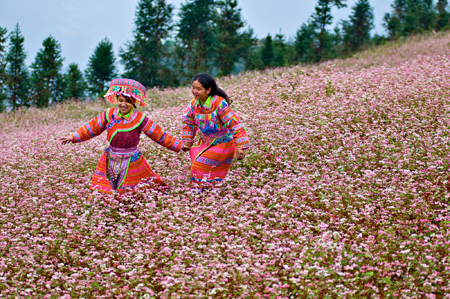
[(125, 104), (199, 92)]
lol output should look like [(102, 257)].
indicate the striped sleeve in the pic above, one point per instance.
[(189, 128), (232, 122), (157, 134), (92, 129)]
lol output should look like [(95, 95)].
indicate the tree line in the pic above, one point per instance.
[(210, 36)]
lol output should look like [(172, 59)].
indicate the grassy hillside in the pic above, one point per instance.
[(344, 192)]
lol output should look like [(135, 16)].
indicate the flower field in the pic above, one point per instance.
[(345, 193)]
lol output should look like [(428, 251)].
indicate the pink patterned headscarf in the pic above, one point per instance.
[(129, 88)]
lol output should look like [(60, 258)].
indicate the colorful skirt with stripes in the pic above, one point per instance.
[(121, 169), (210, 163)]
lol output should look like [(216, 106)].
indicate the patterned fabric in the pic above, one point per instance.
[(138, 172), (118, 161), (216, 122), (94, 127), (157, 134), (129, 88), (220, 132), (210, 163), (120, 124), (124, 167)]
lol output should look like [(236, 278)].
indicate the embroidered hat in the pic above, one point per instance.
[(129, 88)]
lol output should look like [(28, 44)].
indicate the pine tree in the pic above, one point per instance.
[(172, 72), (291, 52), (74, 84), (143, 58), (46, 73), (3, 77), (279, 51), (428, 15), (306, 43), (267, 53), (410, 17), (379, 40), (253, 60), (419, 16), (234, 44), (335, 44), (357, 29), (16, 70), (101, 67), (196, 37), (249, 53), (394, 21), (443, 16), (322, 17)]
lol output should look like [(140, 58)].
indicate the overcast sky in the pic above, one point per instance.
[(79, 25)]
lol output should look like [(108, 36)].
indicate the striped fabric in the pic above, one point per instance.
[(94, 127), (138, 170), (157, 134), (129, 88), (210, 164), (221, 133), (124, 125), (214, 122)]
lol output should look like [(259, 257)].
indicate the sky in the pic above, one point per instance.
[(79, 25)]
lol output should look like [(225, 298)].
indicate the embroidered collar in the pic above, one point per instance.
[(127, 116), (207, 104)]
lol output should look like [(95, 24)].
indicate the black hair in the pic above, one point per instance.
[(207, 81)]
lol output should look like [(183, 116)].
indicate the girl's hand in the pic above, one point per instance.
[(65, 140), (240, 154), (187, 146)]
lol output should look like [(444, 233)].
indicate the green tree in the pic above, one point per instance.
[(267, 52), (306, 43), (322, 17), (334, 45), (410, 17), (393, 22), (196, 37), (74, 84), (173, 70), (379, 39), (143, 58), (419, 16), (443, 16), (16, 70), (291, 53), (234, 44), (279, 51), (46, 73), (357, 29), (428, 15), (101, 67), (3, 77), (251, 59)]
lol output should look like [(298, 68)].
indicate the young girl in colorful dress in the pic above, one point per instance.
[(122, 166), (222, 135)]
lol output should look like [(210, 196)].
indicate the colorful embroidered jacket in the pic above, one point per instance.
[(123, 132), (216, 122)]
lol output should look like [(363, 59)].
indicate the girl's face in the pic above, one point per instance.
[(125, 105), (199, 92)]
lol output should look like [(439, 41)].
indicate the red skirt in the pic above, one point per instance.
[(211, 163), (138, 172)]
